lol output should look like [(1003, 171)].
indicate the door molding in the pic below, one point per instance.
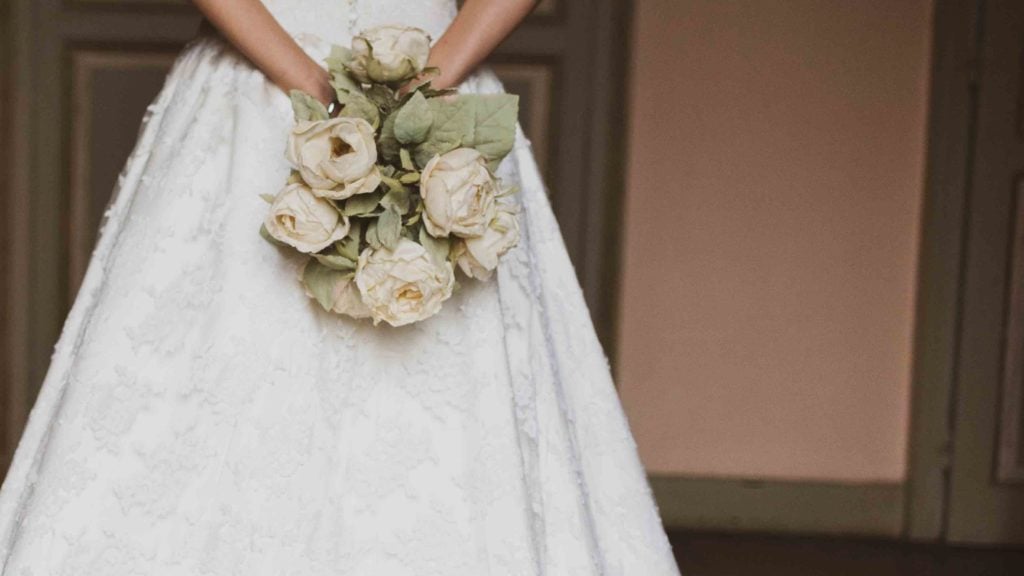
[(604, 188), (1011, 425), (952, 109), (15, 139), (6, 233), (984, 510), (966, 331)]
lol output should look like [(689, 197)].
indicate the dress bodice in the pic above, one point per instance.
[(335, 20)]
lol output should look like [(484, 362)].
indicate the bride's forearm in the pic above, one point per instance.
[(477, 30), (251, 28)]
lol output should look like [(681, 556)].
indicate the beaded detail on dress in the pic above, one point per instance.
[(335, 21)]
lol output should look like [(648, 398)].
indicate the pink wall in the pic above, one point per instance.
[(775, 177)]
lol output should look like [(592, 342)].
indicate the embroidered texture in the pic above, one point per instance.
[(202, 417)]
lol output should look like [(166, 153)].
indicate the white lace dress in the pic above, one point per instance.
[(202, 416)]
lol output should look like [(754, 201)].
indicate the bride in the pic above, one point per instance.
[(202, 416)]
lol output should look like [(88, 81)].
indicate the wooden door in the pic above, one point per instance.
[(77, 76), (986, 492)]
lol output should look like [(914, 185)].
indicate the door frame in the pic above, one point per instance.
[(6, 234), (953, 102), (15, 27)]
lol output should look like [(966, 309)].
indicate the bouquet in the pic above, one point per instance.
[(398, 190)]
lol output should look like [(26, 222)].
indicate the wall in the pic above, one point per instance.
[(775, 175)]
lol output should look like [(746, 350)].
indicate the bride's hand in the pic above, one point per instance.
[(319, 86), (251, 28), (474, 33)]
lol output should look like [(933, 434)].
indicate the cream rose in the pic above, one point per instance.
[(337, 157), (458, 194), (403, 285), (478, 257), (300, 219), (389, 54), (363, 185)]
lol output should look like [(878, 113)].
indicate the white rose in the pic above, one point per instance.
[(337, 157), (458, 194), (302, 220), (345, 296), (389, 54), (403, 285), (478, 257)]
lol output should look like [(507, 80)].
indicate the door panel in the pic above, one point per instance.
[(110, 90), (986, 501)]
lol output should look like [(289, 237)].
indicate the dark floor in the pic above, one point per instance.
[(702, 554)]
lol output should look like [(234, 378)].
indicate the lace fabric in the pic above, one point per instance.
[(201, 416)]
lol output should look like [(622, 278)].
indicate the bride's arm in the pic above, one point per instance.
[(253, 30), (477, 30)]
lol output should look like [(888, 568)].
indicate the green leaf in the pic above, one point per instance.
[(354, 105), (349, 245), (362, 204), (391, 183), (387, 144), (337, 65), (453, 123), (413, 120), (389, 228), (336, 261), (406, 159), (371, 235), (484, 122), (410, 178), (438, 248), (320, 281), (306, 107), (343, 85), (268, 198), (494, 126), (382, 97), (338, 59), (397, 199)]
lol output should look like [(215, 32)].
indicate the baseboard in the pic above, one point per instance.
[(720, 504)]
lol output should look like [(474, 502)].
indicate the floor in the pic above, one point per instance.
[(701, 554)]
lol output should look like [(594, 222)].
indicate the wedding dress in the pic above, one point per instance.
[(202, 416)]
